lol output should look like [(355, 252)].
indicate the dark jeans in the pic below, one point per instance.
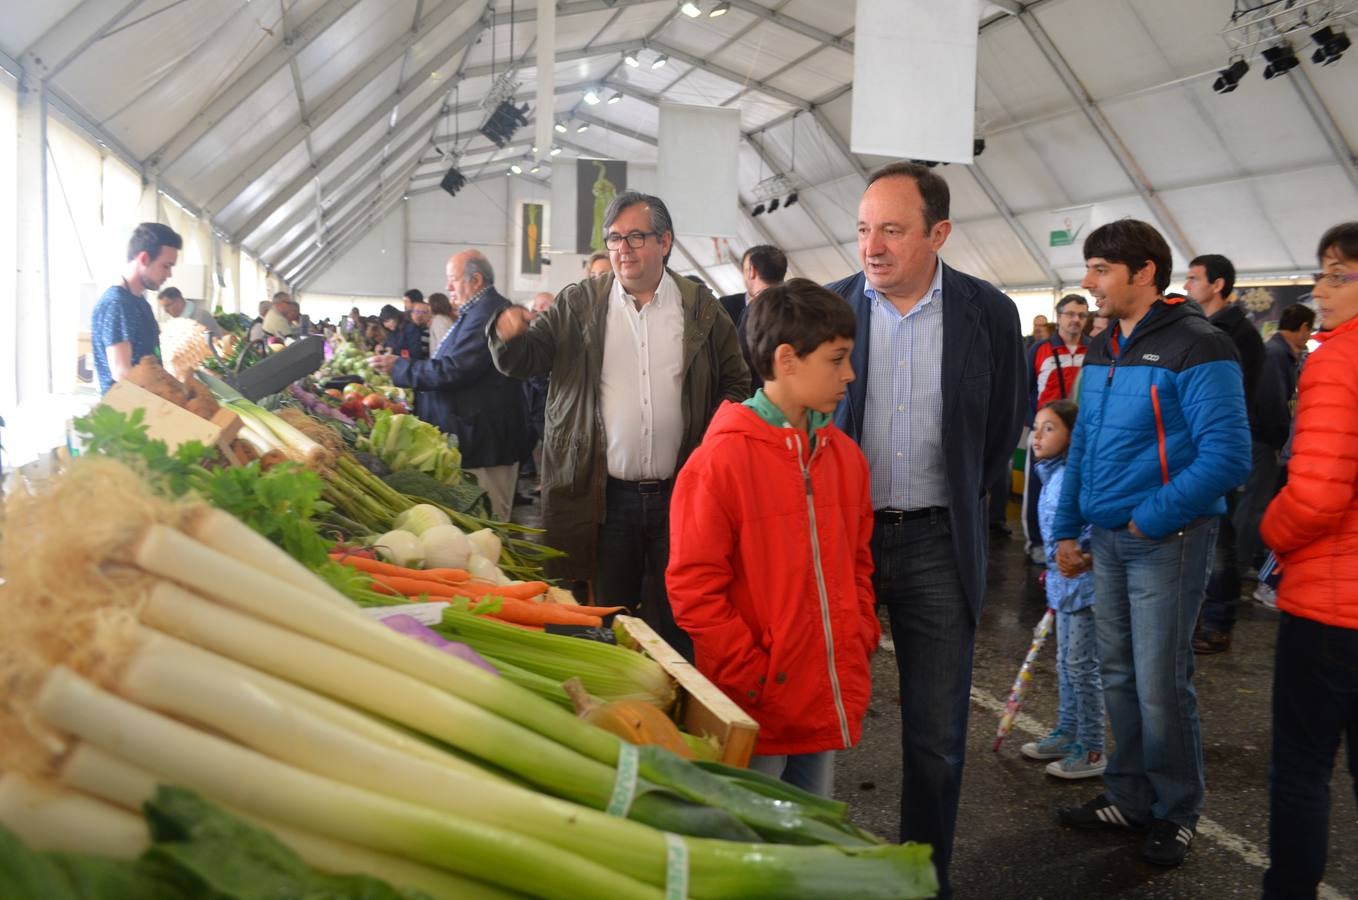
[(1223, 587), (1149, 593), (1260, 488), (916, 579), (634, 549), (1315, 701)]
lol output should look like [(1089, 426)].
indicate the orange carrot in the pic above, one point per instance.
[(523, 612), (446, 574), (528, 590), (394, 584), (377, 567)]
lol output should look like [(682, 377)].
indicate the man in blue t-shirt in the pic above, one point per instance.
[(123, 328)]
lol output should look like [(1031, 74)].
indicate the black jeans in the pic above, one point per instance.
[(1315, 701), (1222, 599), (633, 551), (916, 578)]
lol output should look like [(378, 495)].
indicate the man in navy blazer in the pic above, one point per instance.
[(460, 390), (937, 407)]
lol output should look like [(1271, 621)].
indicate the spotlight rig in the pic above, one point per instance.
[(505, 117), (454, 181), (1274, 26), (774, 192)]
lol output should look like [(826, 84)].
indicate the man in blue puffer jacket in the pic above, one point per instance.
[(1162, 436)]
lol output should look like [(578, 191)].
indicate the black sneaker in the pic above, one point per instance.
[(1100, 813), (1168, 843)]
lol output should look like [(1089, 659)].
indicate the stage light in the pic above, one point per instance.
[(791, 199), (978, 146), (592, 97), (630, 57), (773, 205), (1228, 79), (453, 182), (582, 128), (1281, 60), (660, 61), (720, 9), (503, 122), (758, 210), (1332, 46), (616, 98), (554, 151), (690, 9), (560, 127)]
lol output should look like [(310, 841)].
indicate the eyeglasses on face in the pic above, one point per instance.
[(634, 239), (1075, 315), (1334, 279)]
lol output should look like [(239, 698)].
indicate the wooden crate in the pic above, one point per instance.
[(173, 424), (703, 709)]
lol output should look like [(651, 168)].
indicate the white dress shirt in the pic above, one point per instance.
[(643, 370)]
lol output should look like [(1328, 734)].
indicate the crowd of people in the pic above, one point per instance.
[(759, 475)]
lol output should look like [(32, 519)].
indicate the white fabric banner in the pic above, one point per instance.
[(914, 79), (698, 168)]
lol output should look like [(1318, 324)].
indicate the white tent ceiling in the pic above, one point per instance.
[(296, 125)]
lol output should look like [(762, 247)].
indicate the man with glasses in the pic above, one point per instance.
[(1053, 367), (640, 359)]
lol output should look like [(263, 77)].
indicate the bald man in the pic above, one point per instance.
[(542, 301), (460, 390)]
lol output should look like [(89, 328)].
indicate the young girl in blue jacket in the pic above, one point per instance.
[(1076, 744)]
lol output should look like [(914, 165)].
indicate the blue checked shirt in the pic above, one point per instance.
[(903, 415)]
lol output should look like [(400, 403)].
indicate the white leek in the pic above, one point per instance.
[(243, 778), (116, 781)]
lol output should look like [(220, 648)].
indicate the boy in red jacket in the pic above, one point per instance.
[(770, 570)]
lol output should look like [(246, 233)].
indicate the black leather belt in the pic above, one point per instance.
[(891, 516), (641, 487)]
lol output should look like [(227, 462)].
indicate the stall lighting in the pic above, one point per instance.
[(630, 57), (660, 61), (616, 98), (1281, 60), (720, 9), (690, 9), (592, 97), (1228, 79)]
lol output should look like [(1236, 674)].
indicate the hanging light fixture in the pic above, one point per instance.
[(516, 168), (690, 9), (660, 61), (554, 151), (582, 128), (616, 98), (560, 127), (592, 97), (536, 169), (630, 57), (720, 9), (758, 210)]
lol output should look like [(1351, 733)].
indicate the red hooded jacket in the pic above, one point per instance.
[(770, 572), (1313, 522)]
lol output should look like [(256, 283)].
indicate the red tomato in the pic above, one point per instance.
[(375, 401)]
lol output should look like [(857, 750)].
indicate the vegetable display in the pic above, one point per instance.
[(176, 645)]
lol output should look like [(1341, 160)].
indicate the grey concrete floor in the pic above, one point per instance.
[(1008, 841)]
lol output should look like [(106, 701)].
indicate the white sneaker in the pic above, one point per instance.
[(1266, 596), (1079, 765)]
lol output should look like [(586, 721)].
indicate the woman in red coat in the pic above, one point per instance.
[(1313, 527)]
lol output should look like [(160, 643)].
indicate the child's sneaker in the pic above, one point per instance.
[(1053, 746), (1078, 764)]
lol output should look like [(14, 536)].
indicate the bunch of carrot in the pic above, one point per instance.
[(519, 604)]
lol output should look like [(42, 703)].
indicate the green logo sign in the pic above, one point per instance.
[(1064, 237)]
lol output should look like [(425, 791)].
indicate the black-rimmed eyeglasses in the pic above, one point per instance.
[(634, 239)]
